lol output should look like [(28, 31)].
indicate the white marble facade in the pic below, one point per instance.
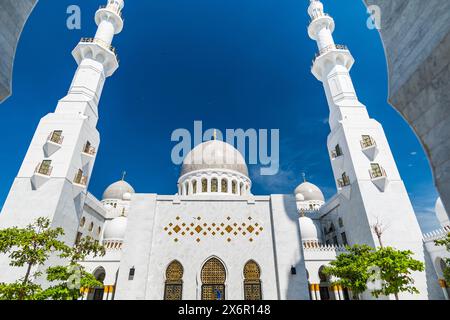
[(215, 239)]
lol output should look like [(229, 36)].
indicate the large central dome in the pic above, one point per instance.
[(214, 154)]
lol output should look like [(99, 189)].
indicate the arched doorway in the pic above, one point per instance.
[(173, 289), (213, 278), (252, 281), (98, 292), (324, 286)]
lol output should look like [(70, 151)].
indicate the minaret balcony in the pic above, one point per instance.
[(369, 147), (377, 173), (319, 21), (378, 176), (329, 56), (318, 16), (368, 142), (337, 157), (44, 168), (343, 182), (41, 174), (88, 153), (56, 137), (80, 181), (53, 143), (89, 150), (111, 13), (336, 152), (98, 50), (330, 48), (344, 185), (101, 43)]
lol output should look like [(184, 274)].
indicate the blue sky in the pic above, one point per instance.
[(229, 63)]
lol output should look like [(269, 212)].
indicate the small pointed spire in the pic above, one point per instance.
[(124, 175), (215, 134), (304, 176)]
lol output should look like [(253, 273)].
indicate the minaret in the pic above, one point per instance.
[(54, 176), (369, 185)]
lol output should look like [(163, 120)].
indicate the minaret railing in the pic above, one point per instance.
[(101, 43), (330, 48)]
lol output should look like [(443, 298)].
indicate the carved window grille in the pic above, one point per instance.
[(252, 282), (45, 167), (204, 185), (56, 137), (214, 185), (194, 186), (224, 185), (234, 187), (213, 278), (173, 289), (376, 171), (367, 141)]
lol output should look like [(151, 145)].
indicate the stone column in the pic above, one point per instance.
[(312, 292), (317, 291)]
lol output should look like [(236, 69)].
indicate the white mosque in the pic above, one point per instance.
[(214, 239)]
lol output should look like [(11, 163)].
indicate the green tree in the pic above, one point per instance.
[(70, 278), (446, 243), (352, 269), (31, 247), (28, 247), (395, 268)]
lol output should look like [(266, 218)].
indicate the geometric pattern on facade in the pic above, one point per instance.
[(228, 229)]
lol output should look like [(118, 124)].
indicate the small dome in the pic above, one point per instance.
[(308, 229), (115, 229), (441, 213), (309, 191), (117, 190), (214, 154)]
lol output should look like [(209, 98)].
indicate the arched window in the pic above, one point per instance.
[(224, 185), (204, 185), (173, 289), (234, 187), (252, 282), (214, 185), (82, 222), (213, 278), (91, 226), (241, 189), (341, 223), (194, 186)]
